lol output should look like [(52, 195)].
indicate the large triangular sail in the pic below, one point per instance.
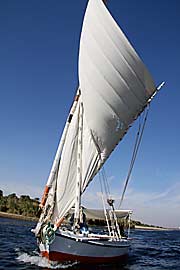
[(115, 88), (114, 82)]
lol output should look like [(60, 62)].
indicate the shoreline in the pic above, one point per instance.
[(34, 219), (16, 216), (150, 228)]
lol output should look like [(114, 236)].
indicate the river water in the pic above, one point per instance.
[(154, 250)]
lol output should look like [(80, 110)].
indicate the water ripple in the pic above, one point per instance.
[(151, 250)]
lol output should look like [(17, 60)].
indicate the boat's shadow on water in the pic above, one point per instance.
[(126, 265), (112, 266)]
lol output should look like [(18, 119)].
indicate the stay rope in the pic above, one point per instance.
[(134, 154)]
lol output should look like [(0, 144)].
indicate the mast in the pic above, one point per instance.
[(79, 167)]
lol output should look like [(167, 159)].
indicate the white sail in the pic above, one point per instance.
[(115, 87), (67, 172), (114, 82)]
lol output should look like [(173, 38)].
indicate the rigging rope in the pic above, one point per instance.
[(101, 185), (134, 155), (113, 229), (104, 207), (106, 185)]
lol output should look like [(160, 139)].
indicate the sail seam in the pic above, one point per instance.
[(117, 49), (108, 104), (125, 105), (128, 87), (105, 78)]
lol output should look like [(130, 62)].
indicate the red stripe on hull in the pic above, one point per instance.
[(62, 257)]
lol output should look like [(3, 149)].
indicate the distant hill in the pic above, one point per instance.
[(22, 205)]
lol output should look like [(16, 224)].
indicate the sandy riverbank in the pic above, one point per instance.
[(15, 216), (150, 228)]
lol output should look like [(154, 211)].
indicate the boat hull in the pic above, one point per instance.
[(66, 248)]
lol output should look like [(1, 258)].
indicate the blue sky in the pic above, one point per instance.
[(38, 77)]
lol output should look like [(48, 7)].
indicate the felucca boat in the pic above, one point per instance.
[(115, 87)]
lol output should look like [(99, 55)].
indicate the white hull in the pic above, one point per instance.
[(91, 249)]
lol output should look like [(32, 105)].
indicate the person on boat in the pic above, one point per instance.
[(81, 226), (82, 222), (71, 220)]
